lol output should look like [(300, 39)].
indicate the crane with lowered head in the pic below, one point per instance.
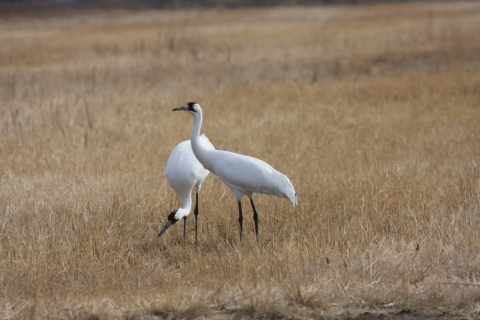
[(184, 172)]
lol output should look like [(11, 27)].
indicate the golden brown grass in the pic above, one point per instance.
[(373, 113)]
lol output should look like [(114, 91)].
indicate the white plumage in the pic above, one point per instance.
[(184, 172), (244, 175)]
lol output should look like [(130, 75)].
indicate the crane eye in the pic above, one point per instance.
[(171, 217), (190, 106)]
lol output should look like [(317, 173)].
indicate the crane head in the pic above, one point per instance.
[(192, 107), (171, 221)]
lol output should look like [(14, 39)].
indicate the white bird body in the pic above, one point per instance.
[(244, 175), (184, 172)]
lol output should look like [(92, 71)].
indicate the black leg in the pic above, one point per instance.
[(240, 218), (196, 217), (184, 230), (255, 217)]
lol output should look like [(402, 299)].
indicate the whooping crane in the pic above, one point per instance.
[(244, 175), (184, 172)]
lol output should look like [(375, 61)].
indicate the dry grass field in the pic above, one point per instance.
[(372, 112)]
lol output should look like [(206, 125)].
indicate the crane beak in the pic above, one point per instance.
[(184, 108), (165, 227)]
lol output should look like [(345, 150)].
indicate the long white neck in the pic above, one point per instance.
[(200, 152), (187, 202), (186, 207)]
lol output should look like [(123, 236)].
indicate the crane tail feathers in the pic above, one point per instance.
[(290, 195), (293, 198), (287, 190)]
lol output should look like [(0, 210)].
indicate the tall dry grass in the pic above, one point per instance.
[(373, 113)]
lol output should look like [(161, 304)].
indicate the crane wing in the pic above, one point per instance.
[(248, 173)]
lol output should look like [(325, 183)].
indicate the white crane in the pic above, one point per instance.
[(184, 172), (244, 175)]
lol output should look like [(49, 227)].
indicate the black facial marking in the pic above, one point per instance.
[(171, 217), (190, 106)]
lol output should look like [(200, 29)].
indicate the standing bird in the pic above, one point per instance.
[(244, 175), (184, 172)]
